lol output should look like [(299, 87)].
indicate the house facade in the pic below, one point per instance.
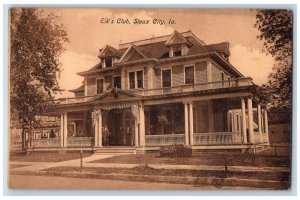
[(173, 89)]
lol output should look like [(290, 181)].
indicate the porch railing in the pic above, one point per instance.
[(80, 141), (217, 138), (160, 140), (245, 81), (48, 142)]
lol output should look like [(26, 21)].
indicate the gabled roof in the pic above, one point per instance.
[(141, 51), (79, 89), (109, 51), (176, 38)]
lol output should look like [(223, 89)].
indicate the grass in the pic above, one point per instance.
[(257, 160), (146, 170), (45, 157)]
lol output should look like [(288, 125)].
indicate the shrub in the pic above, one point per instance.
[(175, 151)]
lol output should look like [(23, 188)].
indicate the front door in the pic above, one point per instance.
[(120, 128)]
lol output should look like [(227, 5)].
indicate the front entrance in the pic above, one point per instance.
[(118, 128)]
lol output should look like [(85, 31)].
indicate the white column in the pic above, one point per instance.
[(100, 129), (136, 133), (250, 120), (244, 121), (142, 126), (259, 122), (62, 129), (191, 125), (266, 126), (65, 129), (96, 127), (186, 123)]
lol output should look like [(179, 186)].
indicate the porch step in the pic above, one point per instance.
[(115, 150)]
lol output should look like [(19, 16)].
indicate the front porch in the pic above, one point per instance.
[(223, 123)]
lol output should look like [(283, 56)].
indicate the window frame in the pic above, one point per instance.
[(175, 47), (120, 81), (166, 69), (97, 85), (135, 79), (184, 74)]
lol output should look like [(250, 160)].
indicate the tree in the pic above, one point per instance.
[(37, 41), (276, 30)]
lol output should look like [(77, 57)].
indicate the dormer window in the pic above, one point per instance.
[(177, 51), (108, 62)]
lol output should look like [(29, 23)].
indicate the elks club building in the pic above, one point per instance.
[(172, 89)]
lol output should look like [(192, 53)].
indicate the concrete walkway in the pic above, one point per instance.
[(36, 166)]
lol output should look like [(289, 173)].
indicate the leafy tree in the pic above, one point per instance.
[(37, 41), (276, 30)]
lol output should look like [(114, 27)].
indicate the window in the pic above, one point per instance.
[(131, 80), (139, 75), (117, 82), (189, 75), (136, 80), (108, 62), (177, 51), (99, 86), (166, 78), (222, 78)]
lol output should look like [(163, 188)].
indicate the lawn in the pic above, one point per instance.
[(46, 157), (146, 170), (257, 160)]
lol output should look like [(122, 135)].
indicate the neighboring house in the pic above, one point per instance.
[(172, 89)]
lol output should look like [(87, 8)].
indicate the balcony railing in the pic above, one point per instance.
[(245, 81), (217, 138), (160, 140), (196, 87)]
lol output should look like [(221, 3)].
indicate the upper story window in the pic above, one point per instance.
[(100, 86), (117, 82), (136, 79), (108, 62), (189, 75), (177, 51), (222, 78), (166, 78)]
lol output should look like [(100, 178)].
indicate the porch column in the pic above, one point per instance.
[(99, 129), (259, 122), (62, 130), (250, 120), (186, 123), (96, 127), (191, 125), (134, 110), (65, 136), (142, 126), (244, 121), (266, 125)]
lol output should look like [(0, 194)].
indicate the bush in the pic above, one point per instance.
[(175, 151)]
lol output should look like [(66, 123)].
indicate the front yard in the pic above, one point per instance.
[(45, 157), (255, 160)]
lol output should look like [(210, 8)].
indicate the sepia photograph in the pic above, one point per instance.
[(150, 98)]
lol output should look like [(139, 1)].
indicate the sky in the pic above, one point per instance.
[(87, 35)]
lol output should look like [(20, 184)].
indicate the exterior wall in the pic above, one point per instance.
[(177, 75), (91, 86), (201, 72)]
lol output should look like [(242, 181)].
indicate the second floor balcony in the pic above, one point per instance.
[(233, 83)]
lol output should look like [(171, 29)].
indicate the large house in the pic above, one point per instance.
[(173, 89)]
